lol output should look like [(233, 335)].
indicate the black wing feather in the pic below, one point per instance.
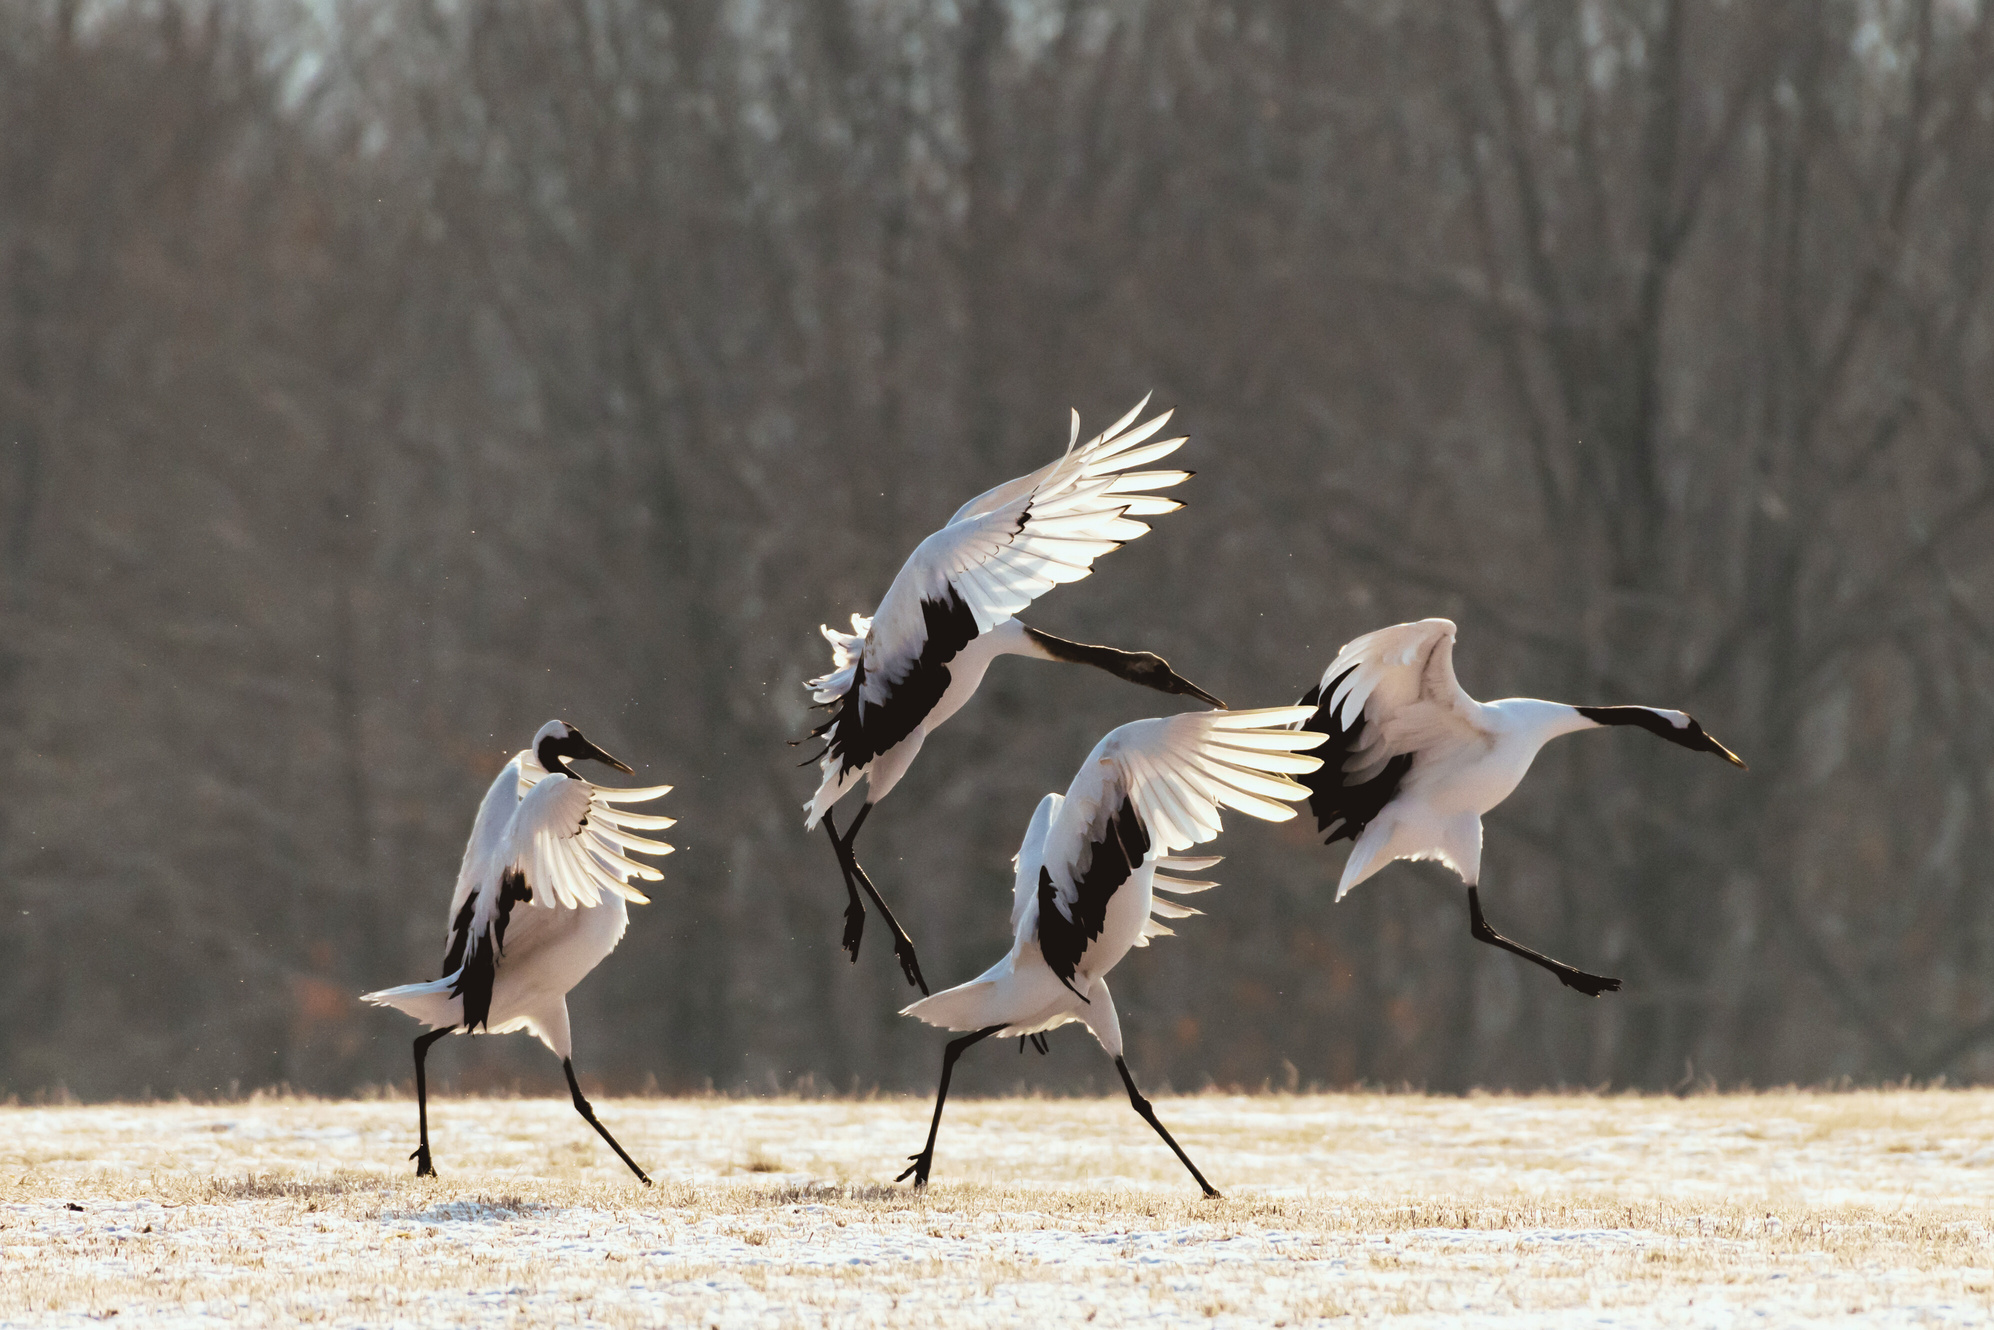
[(857, 733), (460, 936), (1340, 809), (480, 970), (1111, 861)]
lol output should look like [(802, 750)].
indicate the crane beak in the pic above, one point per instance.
[(1185, 686), (1170, 682), (1715, 747), (590, 751)]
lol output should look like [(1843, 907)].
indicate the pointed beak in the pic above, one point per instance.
[(1726, 753), (592, 752), (1186, 686)]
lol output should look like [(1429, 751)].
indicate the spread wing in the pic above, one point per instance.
[(565, 844), (1001, 551), (1387, 698), (1162, 907), (1152, 787), (568, 839)]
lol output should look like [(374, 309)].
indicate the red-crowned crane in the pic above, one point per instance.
[(1088, 870), (949, 612), (1411, 762), (539, 902)]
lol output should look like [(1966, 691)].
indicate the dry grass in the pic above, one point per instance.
[(1781, 1206)]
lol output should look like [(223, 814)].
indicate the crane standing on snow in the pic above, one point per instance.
[(539, 902), (1087, 874)]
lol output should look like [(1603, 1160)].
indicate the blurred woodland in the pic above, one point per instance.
[(379, 378)]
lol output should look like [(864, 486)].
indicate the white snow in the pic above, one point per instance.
[(1776, 1209)]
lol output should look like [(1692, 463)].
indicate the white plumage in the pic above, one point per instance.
[(1412, 762), (950, 611), (539, 902), (1088, 869)]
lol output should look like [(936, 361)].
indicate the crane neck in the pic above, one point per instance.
[(1047, 647), (555, 763), (1539, 720)]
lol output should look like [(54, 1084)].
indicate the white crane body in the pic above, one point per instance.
[(539, 902), (1412, 763), (965, 670), (1087, 877)]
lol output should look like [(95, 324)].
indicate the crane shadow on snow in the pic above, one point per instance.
[(494, 1210), (320, 1192), (828, 1193), (253, 1186), (503, 1208)]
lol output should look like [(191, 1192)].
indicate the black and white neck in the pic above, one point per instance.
[(548, 751), (1678, 727), (1142, 667), (559, 741)]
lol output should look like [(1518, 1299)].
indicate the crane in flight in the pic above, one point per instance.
[(950, 611)]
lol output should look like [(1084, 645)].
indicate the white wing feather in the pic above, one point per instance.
[(1179, 772), (1181, 886), (1010, 545), (484, 853), (1401, 681), (564, 839), (1031, 854), (610, 794)]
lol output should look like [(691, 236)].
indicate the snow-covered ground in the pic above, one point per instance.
[(1780, 1208)]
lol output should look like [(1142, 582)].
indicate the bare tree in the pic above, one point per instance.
[(377, 380)]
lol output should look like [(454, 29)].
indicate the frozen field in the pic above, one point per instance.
[(1781, 1208)]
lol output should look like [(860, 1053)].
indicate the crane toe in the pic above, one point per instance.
[(1592, 985), (910, 964)]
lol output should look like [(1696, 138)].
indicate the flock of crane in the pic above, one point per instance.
[(1386, 749)]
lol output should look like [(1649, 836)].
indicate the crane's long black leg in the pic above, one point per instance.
[(903, 946), (925, 1160), (855, 909), (423, 1168), (1141, 1106), (582, 1107), (1592, 985)]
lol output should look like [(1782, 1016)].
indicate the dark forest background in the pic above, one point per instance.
[(380, 378)]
